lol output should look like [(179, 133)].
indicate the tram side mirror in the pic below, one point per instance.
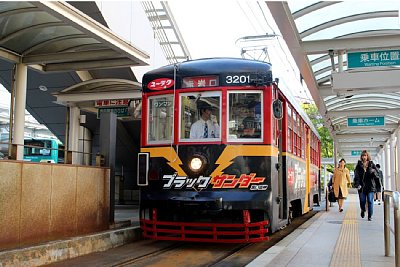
[(277, 109)]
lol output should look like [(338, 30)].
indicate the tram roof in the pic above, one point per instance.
[(210, 66), (316, 32), (217, 66)]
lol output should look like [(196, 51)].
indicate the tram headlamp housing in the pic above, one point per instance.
[(197, 163)]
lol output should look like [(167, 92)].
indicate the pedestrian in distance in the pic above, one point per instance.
[(364, 181), (379, 184), (341, 177)]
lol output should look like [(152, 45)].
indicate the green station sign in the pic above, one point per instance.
[(120, 111), (356, 152), (366, 121), (382, 58)]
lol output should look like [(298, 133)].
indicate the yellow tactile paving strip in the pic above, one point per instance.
[(347, 250)]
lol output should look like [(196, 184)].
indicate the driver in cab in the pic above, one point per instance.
[(205, 127)]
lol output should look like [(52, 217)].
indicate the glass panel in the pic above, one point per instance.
[(41, 148), (302, 140), (200, 116), (160, 119), (295, 122), (244, 115), (343, 9)]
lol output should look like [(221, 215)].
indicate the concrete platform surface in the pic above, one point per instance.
[(333, 238)]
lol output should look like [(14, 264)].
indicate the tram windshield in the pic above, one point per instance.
[(244, 115), (200, 116)]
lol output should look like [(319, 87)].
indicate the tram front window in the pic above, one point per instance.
[(245, 116), (160, 119), (200, 116)]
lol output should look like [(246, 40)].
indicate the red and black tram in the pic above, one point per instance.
[(226, 155)]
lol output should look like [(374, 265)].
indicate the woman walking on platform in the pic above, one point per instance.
[(364, 181), (341, 176)]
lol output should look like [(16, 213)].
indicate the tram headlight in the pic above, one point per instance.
[(197, 163)]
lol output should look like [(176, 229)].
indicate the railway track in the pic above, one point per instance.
[(169, 253)]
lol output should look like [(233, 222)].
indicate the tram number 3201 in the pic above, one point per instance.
[(235, 79)]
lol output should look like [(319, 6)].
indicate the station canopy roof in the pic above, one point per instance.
[(63, 44), (55, 36), (349, 55)]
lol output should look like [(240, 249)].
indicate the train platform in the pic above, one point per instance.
[(125, 230), (333, 238)]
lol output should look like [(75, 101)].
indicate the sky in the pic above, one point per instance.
[(209, 29), (217, 28)]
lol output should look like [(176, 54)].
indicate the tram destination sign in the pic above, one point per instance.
[(111, 103), (373, 59), (366, 121)]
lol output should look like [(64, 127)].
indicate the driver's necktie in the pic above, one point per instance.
[(205, 130)]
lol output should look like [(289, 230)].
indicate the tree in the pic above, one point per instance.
[(318, 122)]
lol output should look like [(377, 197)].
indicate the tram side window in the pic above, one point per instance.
[(315, 149), (244, 115), (295, 134), (200, 116), (302, 139), (290, 128), (160, 120)]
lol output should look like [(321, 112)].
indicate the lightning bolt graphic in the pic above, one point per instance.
[(169, 154), (231, 152)]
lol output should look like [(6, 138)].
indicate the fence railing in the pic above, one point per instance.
[(85, 158), (392, 196)]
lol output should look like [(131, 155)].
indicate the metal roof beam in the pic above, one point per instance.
[(326, 90), (362, 147), (70, 56), (355, 159), (9, 55), (358, 80), (352, 18), (52, 40), (353, 144), (351, 44), (99, 64), (283, 18), (390, 126), (312, 8), (358, 136), (367, 112), (5, 39), (80, 97)]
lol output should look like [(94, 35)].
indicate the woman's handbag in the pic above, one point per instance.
[(331, 196)]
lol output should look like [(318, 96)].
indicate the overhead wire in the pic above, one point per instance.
[(282, 49)]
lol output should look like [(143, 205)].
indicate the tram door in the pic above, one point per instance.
[(282, 192)]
